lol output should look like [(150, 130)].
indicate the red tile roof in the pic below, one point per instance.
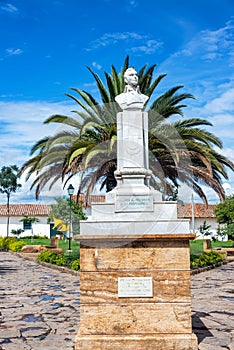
[(25, 209), (93, 198), (200, 210)]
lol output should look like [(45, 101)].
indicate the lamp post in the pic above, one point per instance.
[(70, 191), (193, 218)]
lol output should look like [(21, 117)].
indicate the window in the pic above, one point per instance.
[(27, 225)]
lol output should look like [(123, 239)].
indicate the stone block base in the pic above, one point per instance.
[(155, 320), (137, 342)]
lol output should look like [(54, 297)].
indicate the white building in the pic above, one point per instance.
[(197, 215), (18, 211)]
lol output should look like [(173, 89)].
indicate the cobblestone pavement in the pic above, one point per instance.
[(213, 308), (39, 307)]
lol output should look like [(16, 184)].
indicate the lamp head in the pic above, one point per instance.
[(70, 190)]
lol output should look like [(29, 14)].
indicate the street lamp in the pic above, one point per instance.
[(70, 191)]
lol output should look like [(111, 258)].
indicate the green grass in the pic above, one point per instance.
[(36, 241), (75, 246), (196, 246)]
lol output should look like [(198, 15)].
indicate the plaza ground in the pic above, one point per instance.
[(39, 306)]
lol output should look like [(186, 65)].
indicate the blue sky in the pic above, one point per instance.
[(46, 45)]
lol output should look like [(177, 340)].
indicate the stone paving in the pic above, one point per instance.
[(39, 306), (213, 308)]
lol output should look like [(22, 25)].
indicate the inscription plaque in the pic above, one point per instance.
[(135, 287), (132, 203)]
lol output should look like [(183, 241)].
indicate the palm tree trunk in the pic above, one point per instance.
[(8, 212)]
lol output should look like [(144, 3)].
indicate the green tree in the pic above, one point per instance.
[(180, 151), (61, 210), (225, 215), (204, 229), (8, 185)]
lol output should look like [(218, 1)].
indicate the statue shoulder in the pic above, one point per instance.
[(121, 98)]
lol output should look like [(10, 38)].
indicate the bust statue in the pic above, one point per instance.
[(131, 98)]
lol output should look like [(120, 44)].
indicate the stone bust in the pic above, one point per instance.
[(131, 98)]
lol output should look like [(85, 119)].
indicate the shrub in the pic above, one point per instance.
[(205, 259), (70, 257), (60, 260), (17, 246), (17, 232), (5, 241), (76, 265), (52, 258), (47, 256)]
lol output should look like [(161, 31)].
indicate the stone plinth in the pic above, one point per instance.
[(161, 321), (133, 218)]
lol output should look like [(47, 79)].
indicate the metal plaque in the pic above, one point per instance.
[(135, 287)]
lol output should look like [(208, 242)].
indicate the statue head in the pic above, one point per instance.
[(131, 77), (131, 98)]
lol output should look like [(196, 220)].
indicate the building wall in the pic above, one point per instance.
[(213, 229), (16, 220), (38, 229), (209, 221)]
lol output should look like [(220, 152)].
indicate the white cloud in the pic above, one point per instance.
[(133, 3), (229, 190), (205, 66), (90, 85), (211, 45), (21, 127), (207, 57), (229, 153), (113, 38), (96, 65), (149, 47), (212, 83), (24, 122), (218, 108), (13, 52), (27, 195), (222, 119), (9, 8), (223, 103), (135, 42), (92, 88), (218, 39)]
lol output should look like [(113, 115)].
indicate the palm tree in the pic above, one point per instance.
[(180, 151)]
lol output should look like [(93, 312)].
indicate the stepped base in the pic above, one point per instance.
[(136, 342)]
